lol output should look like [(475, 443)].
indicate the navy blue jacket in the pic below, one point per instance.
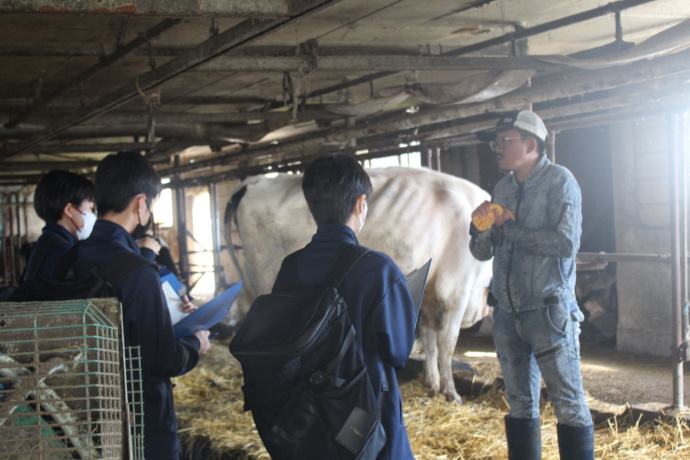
[(147, 324), (382, 312), (55, 240)]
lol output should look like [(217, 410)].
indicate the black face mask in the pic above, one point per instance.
[(140, 231)]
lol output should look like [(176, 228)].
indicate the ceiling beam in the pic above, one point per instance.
[(103, 64), (92, 148), (182, 8), (585, 119), (566, 85), (510, 37), (372, 63), (202, 132), (19, 179), (242, 33), (25, 166), (18, 103), (86, 51), (141, 117)]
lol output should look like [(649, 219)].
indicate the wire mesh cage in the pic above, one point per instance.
[(64, 381)]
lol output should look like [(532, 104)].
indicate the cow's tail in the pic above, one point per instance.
[(230, 220)]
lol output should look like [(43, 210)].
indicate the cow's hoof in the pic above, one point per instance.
[(453, 396)]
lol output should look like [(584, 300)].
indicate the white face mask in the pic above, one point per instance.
[(89, 221), (362, 217)]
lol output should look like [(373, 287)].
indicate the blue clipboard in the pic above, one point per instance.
[(209, 314)]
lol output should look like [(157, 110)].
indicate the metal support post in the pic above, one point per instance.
[(181, 217), (437, 156), (678, 352), (551, 146), (683, 175), (215, 230)]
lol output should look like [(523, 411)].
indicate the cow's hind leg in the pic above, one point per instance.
[(429, 339), (447, 340)]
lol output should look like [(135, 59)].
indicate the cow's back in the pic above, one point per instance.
[(414, 215)]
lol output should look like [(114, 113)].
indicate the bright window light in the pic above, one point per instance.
[(163, 209), (203, 261)]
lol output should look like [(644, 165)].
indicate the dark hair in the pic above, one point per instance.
[(331, 186), (122, 176), (56, 189)]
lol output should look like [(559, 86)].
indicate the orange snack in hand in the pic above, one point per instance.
[(484, 223)]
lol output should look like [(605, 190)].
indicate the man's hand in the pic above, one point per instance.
[(482, 211), (500, 219), (150, 243), (489, 215), (187, 306), (204, 344)]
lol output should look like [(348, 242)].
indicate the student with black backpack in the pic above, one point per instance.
[(379, 307), (126, 188)]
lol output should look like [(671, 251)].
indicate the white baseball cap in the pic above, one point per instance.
[(524, 120)]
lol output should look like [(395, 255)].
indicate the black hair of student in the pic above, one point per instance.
[(331, 186), (58, 188), (122, 176)]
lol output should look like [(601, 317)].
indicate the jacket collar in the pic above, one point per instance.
[(58, 229), (538, 170), (329, 233), (116, 233)]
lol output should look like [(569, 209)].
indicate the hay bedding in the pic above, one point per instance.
[(209, 409)]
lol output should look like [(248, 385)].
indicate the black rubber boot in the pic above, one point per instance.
[(524, 438), (576, 442)]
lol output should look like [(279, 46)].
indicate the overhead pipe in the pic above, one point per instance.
[(242, 33)]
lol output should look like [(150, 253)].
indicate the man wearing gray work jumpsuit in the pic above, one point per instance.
[(536, 319)]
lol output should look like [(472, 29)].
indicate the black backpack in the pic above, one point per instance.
[(67, 286), (305, 380)]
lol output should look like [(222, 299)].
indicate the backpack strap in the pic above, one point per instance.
[(343, 263), (322, 374)]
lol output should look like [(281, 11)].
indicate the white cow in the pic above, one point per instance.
[(414, 215)]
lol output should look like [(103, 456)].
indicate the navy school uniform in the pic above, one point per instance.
[(55, 240), (382, 312), (147, 323)]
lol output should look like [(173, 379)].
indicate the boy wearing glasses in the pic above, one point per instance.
[(536, 317)]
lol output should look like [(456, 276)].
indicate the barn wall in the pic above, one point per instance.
[(461, 162), (642, 221), (16, 201)]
